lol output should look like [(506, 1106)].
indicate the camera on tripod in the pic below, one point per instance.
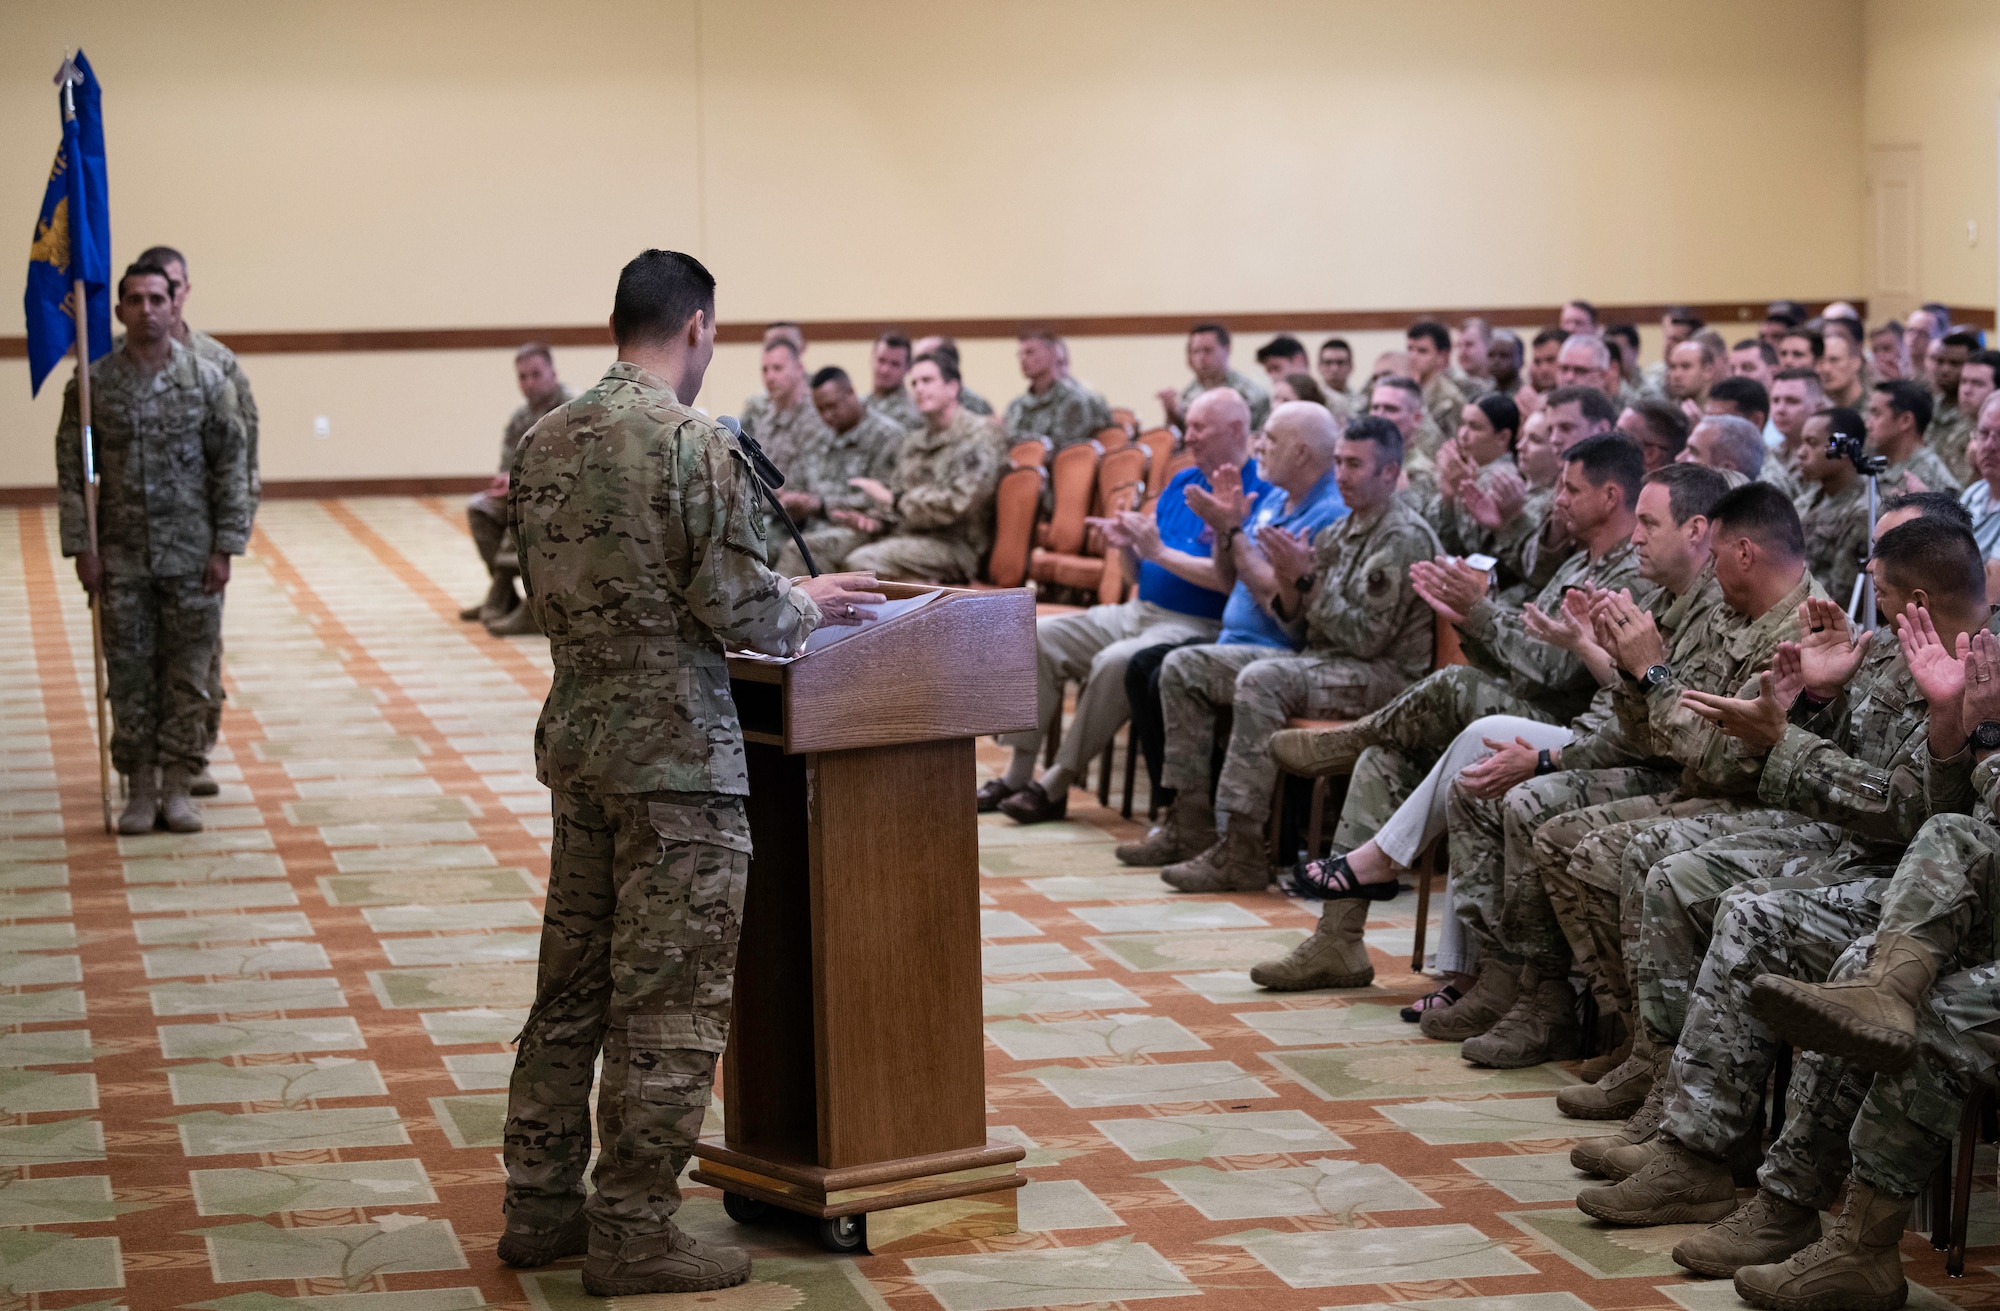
[(1853, 447)]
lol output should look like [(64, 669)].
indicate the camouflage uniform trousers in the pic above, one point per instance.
[(486, 515), (1527, 918), (1406, 737), (914, 557), (1195, 683), (1271, 691), (160, 641), (638, 959), (830, 544), (1579, 858)]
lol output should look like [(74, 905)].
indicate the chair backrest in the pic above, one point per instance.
[(1029, 453), (1121, 485), (1113, 439), (1015, 506), (1448, 650), (1072, 478), (1125, 418), (1179, 460), (1159, 444)]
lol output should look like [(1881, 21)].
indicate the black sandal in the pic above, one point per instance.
[(1332, 879), (1445, 996)]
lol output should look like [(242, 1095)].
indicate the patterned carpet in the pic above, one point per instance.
[(261, 1068)]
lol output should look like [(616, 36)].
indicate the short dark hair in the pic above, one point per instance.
[(1547, 335), (1746, 394), (1336, 343), (1812, 339), (946, 361), (1431, 331), (1500, 411), (1789, 310), (1585, 306), (1665, 421), (162, 256), (1842, 421), (1284, 346), (1040, 334), (1765, 515), (946, 347), (1784, 321), (1765, 350), (1907, 396), (1596, 406), (540, 348), (658, 292), (1931, 505), (1374, 428), (143, 270), (1894, 327), (1692, 489), (1215, 330), (1611, 457), (895, 341), (1798, 375), (831, 373), (1939, 556), (1401, 383), (1969, 340), (1991, 359)]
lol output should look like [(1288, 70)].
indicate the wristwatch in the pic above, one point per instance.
[(1655, 675), (1543, 764), (1986, 737)]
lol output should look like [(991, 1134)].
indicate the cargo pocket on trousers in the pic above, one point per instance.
[(709, 847)]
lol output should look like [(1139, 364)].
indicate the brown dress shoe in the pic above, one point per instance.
[(1031, 805), (991, 793)]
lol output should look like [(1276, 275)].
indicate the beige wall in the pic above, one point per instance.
[(422, 164)]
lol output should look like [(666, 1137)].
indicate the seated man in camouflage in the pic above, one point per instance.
[(1367, 636), (1899, 414), (1833, 506), (857, 443), (1055, 406), (937, 511)]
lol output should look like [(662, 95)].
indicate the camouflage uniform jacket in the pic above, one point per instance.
[(1461, 534), (971, 400), (1362, 606), (1780, 474), (246, 405), (945, 481), (173, 486), (1950, 436), (643, 554), (1863, 760), (1928, 468), (787, 434), (1621, 737), (1836, 528), (1442, 402), (1067, 413), (526, 416), (867, 450), (898, 407), (1253, 393), (1496, 640)]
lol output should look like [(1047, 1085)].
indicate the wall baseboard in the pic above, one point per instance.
[(309, 488)]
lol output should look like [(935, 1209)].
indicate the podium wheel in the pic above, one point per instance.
[(745, 1210), (844, 1233)]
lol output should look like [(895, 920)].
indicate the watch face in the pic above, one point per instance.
[(1987, 736), (1657, 675)]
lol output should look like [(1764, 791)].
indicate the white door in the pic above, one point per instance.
[(1895, 196)]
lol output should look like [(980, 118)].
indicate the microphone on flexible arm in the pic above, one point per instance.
[(767, 476)]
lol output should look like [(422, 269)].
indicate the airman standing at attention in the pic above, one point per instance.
[(642, 546)]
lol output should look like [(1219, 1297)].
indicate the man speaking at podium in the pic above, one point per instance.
[(641, 537)]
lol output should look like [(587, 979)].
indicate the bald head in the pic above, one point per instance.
[(1221, 405), (1218, 429), (1301, 439)]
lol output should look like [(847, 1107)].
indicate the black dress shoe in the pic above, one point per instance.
[(991, 794), (1031, 805)]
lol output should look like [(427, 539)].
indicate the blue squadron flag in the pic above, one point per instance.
[(72, 233)]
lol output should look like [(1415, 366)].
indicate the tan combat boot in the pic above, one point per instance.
[(1856, 1267), (683, 1265), (1869, 1020), (1187, 829), (1541, 1026), (1492, 995), (1618, 1094), (524, 1249), (1317, 752), (1333, 957), (142, 802), (203, 784), (1765, 1230), (1676, 1186), (1590, 1155), (1236, 862), (181, 812), (1594, 1068)]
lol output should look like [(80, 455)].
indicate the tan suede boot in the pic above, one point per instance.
[(1594, 1068), (1869, 1020), (1333, 957), (1857, 1267), (1618, 1094), (1676, 1186), (1491, 996), (181, 812), (1236, 862), (525, 1249), (142, 802), (1541, 1026), (1187, 829), (684, 1265), (1317, 752), (1763, 1231), (1589, 1155)]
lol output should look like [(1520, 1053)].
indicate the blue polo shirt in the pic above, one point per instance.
[(1183, 530), (1245, 621)]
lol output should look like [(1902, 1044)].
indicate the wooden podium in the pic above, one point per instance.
[(854, 1084)]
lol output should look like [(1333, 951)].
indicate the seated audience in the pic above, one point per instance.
[(1840, 363), (1677, 325), (1833, 508), (1692, 368), (1955, 413), (888, 363), (1747, 400), (1304, 387), (1429, 349), (859, 443), (1660, 429), (1470, 371), (1795, 395), (1982, 498), (937, 510), (1055, 406), (1887, 356), (947, 347), (1336, 367), (486, 513), (1503, 362), (1400, 400), (1282, 355), (1899, 414), (783, 420), (1208, 360), (1585, 361), (1728, 443), (1579, 318), (1801, 348), (1546, 347)]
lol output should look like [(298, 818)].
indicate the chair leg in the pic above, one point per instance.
[(1316, 819), (1426, 866), (1104, 772), (1277, 816), (1961, 1184), (1940, 1204), (1131, 773)]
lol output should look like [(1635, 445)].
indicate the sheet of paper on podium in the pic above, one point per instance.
[(831, 633)]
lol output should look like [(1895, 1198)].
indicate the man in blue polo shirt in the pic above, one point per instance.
[(1180, 599), (1196, 681)]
